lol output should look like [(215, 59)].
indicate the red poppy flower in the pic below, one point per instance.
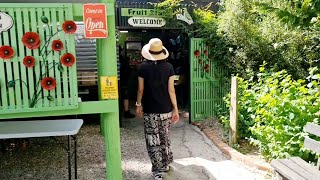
[(68, 59), (69, 27), (207, 67), (48, 83), (31, 40), (57, 45), (6, 52), (200, 61), (205, 52), (29, 61), (197, 53)]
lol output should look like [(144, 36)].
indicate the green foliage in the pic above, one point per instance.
[(274, 108), (282, 33)]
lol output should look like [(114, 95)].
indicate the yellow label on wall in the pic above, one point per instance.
[(109, 87)]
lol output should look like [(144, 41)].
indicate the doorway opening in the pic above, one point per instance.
[(130, 43)]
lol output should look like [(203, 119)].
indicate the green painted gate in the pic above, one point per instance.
[(209, 82), (21, 84)]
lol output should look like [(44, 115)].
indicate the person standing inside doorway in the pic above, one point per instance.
[(124, 83), (156, 88)]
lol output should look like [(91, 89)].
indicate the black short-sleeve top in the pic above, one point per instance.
[(156, 76)]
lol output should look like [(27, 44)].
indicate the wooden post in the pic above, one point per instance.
[(233, 112), (107, 66)]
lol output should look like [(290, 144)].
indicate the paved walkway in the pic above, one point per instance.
[(196, 158)]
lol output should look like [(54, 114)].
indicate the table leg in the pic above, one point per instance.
[(69, 157), (75, 158)]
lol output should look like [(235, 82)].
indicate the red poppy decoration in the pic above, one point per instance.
[(197, 53), (200, 61), (207, 67), (68, 59), (29, 61), (57, 45), (69, 27), (31, 40), (48, 83), (205, 52), (6, 52)]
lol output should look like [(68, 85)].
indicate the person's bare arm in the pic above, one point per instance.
[(173, 98), (139, 96)]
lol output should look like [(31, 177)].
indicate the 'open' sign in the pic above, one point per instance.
[(6, 22)]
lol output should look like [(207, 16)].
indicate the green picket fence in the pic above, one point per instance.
[(20, 86), (209, 82)]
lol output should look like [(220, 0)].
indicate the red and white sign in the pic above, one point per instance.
[(95, 21)]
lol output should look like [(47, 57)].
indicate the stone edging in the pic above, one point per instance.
[(230, 152)]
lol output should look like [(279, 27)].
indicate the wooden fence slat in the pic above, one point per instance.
[(3, 85), (65, 72), (14, 45), (51, 65), (56, 57), (73, 69), (35, 25), (8, 66), (44, 101), (23, 72), (30, 71)]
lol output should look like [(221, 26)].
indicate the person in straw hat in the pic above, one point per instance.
[(156, 88)]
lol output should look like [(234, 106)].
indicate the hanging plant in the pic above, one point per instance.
[(31, 40), (68, 59), (6, 52), (197, 53), (69, 27), (48, 83), (57, 45), (205, 52), (29, 61)]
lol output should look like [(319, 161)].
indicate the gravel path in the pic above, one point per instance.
[(196, 158)]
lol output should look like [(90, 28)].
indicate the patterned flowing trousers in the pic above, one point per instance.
[(157, 130)]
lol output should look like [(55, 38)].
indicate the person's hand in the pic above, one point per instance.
[(139, 112), (175, 116)]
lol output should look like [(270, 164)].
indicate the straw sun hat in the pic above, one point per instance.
[(154, 50)]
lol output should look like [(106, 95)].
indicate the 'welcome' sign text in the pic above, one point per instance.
[(146, 22)]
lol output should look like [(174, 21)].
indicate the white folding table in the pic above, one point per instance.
[(44, 128)]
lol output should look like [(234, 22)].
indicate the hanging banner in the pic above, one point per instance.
[(95, 21), (146, 22), (6, 22)]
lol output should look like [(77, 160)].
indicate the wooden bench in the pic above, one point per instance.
[(295, 168)]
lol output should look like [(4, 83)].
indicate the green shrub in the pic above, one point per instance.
[(274, 108)]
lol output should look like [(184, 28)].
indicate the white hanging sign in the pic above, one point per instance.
[(184, 15), (6, 22), (146, 21)]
